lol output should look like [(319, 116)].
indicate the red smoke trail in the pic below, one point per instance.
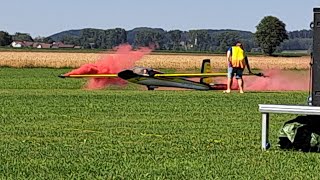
[(279, 81), (123, 58), (276, 80)]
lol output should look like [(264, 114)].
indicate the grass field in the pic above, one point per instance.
[(52, 129)]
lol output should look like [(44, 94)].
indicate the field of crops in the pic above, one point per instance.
[(180, 61), (53, 129)]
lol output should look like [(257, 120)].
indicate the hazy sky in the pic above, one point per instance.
[(46, 17)]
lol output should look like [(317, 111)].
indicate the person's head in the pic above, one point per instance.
[(239, 44)]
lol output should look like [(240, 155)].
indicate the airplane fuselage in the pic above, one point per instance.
[(150, 81), (174, 82)]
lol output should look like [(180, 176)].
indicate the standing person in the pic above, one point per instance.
[(237, 61)]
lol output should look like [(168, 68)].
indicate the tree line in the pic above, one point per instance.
[(202, 40)]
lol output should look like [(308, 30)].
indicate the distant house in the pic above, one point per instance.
[(20, 44), (62, 45), (41, 45), (66, 46), (28, 44), (56, 44), (16, 44)]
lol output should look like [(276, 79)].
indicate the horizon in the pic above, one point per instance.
[(184, 16), (164, 30)]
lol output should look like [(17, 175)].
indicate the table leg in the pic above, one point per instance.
[(265, 131)]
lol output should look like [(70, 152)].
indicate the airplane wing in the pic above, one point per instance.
[(190, 75), (89, 76)]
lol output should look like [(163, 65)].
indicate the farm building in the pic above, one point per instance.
[(42, 45), (21, 44)]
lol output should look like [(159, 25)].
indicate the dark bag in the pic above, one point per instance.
[(301, 133)]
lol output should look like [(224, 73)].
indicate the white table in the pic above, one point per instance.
[(265, 109)]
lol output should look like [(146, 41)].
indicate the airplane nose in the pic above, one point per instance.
[(61, 76)]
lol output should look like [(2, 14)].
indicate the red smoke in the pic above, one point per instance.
[(276, 80), (123, 58), (279, 81)]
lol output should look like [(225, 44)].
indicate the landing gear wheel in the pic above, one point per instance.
[(150, 88)]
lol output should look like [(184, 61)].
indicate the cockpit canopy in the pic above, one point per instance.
[(145, 71), (141, 70)]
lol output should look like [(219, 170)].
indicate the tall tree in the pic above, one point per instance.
[(5, 38), (22, 37), (68, 40), (98, 38), (152, 38), (48, 40), (226, 40), (174, 39), (143, 38), (43, 39), (270, 33), (200, 40)]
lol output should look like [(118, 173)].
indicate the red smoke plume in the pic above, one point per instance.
[(276, 80), (123, 58)]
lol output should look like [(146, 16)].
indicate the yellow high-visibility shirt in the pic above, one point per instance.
[(238, 57)]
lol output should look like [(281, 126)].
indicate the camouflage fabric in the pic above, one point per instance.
[(301, 133)]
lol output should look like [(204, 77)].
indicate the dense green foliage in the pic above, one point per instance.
[(205, 40), (271, 32), (41, 39), (298, 40), (176, 40), (297, 44), (52, 129), (96, 38), (5, 38), (22, 37), (196, 40)]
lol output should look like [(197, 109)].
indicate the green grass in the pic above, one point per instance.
[(52, 129)]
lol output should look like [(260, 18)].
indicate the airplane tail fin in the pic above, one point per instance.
[(206, 68)]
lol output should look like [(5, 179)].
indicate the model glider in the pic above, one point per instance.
[(152, 78)]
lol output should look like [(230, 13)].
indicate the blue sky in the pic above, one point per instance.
[(46, 17)]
